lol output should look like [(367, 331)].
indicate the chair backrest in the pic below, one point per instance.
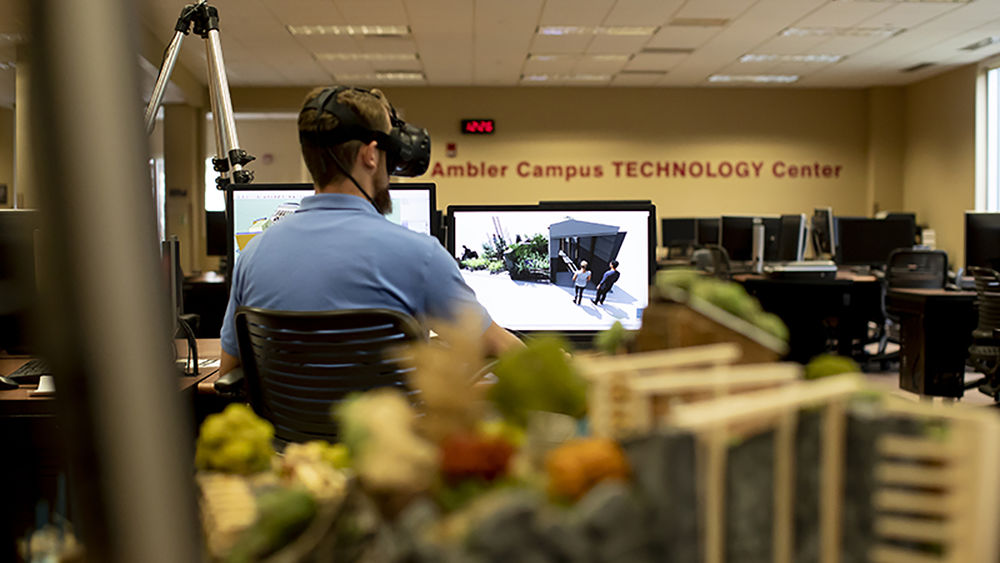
[(909, 268), (712, 259), (299, 364)]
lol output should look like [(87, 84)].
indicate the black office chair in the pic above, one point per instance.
[(713, 260), (984, 353), (906, 268), (297, 365)]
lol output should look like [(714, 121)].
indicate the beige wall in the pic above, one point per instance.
[(939, 159), (7, 154), (590, 127)]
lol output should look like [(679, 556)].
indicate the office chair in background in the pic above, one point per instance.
[(984, 353), (297, 365), (713, 260), (906, 268)]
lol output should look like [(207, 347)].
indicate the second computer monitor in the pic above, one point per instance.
[(678, 231), (982, 240), (868, 242), (792, 239), (736, 236), (707, 229)]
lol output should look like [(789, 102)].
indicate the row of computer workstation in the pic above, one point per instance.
[(821, 273)]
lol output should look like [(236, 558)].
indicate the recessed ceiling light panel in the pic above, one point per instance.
[(372, 30), (608, 30), (366, 56), (387, 76), (758, 58), (755, 78), (565, 77), (841, 31), (982, 43)]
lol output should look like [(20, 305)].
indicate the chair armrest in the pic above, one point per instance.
[(230, 383)]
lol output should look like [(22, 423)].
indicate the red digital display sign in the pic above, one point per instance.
[(478, 126)]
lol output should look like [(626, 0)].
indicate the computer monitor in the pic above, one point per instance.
[(707, 230), (255, 207), (519, 259), (215, 233), (824, 232), (18, 286), (678, 231), (867, 242), (792, 239), (982, 240), (736, 236)]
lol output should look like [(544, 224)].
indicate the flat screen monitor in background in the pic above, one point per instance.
[(18, 287), (823, 231), (677, 231), (792, 239), (519, 259), (215, 233), (982, 240), (255, 207), (867, 242), (707, 230), (736, 236)]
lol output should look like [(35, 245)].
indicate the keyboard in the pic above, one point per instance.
[(29, 373)]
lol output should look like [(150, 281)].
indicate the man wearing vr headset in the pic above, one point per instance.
[(338, 251)]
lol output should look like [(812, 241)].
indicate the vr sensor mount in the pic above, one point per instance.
[(230, 160)]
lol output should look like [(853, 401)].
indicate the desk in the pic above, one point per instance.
[(935, 333), (33, 453), (817, 310)]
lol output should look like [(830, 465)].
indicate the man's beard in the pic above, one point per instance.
[(383, 202)]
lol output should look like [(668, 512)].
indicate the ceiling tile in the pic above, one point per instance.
[(683, 37), (346, 67), (790, 45), (560, 65), (387, 44), (575, 12), (650, 61), (302, 12), (728, 9), (909, 14), (617, 44), (560, 44), (642, 12), (842, 14), (373, 12), (590, 65)]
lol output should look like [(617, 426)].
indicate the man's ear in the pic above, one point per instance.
[(369, 155)]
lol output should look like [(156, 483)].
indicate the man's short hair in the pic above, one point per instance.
[(614, 263), (372, 109)]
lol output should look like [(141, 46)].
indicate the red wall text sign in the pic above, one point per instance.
[(478, 126), (645, 169)]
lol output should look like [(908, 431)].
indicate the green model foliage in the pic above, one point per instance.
[(282, 514), (538, 377), (612, 340), (826, 365), (235, 441)]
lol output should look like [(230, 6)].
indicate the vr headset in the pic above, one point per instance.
[(407, 148)]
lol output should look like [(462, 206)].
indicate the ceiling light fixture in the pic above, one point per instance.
[(982, 43), (698, 22), (567, 57), (388, 75), (841, 31), (583, 30), (366, 56), (755, 78), (8, 65), (565, 77), (372, 30), (916, 1), (755, 58)]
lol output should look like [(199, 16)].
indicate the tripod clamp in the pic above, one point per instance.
[(230, 160)]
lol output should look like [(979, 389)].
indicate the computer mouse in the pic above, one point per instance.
[(7, 383)]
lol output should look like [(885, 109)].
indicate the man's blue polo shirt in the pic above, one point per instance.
[(337, 252)]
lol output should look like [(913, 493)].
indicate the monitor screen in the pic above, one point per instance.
[(823, 231), (520, 260), (792, 239), (708, 230), (867, 242), (982, 240), (676, 231), (736, 236), (255, 207), (215, 233), (18, 288)]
